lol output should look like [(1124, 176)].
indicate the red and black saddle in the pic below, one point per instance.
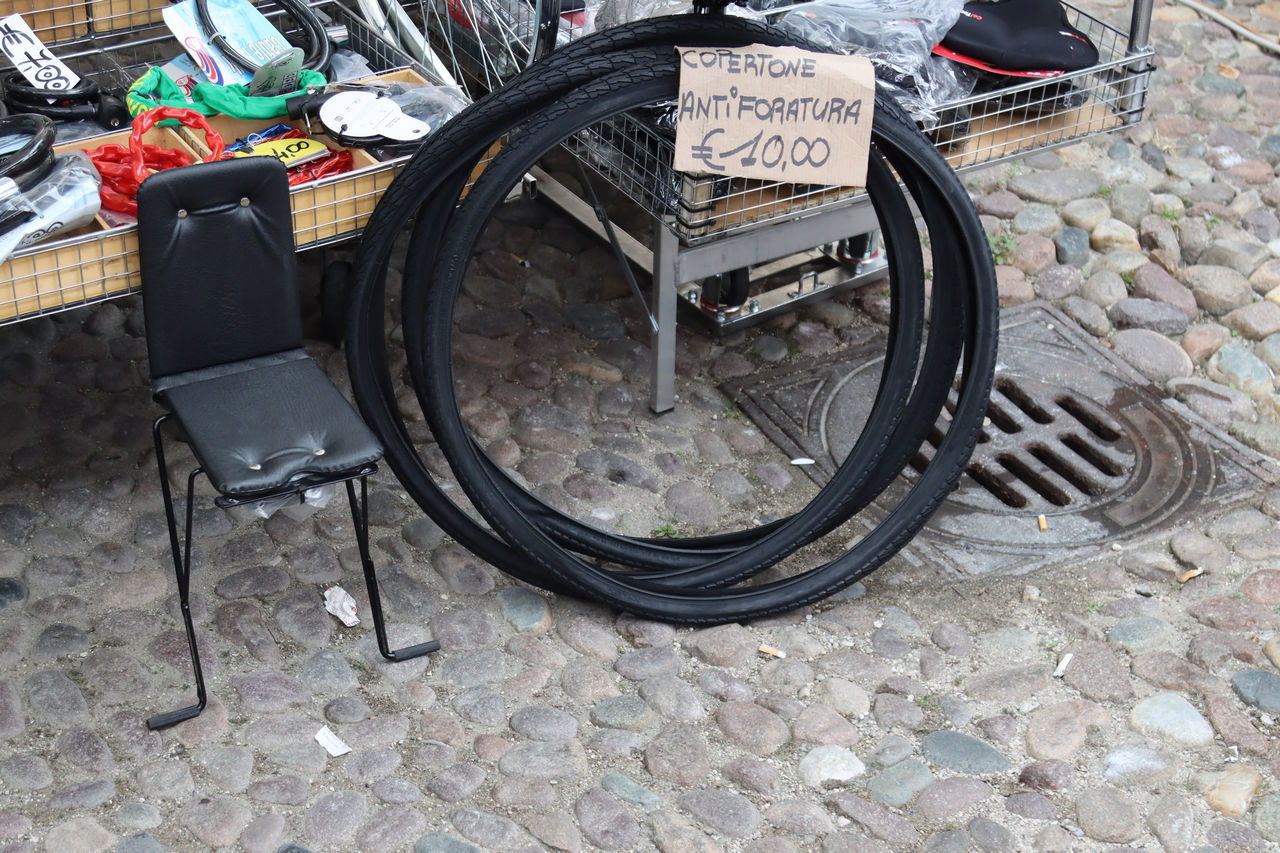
[(1018, 38)]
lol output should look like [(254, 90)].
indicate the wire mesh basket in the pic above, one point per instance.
[(635, 153), (485, 43), (114, 42)]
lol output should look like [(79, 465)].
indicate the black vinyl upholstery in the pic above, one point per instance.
[(218, 275), (224, 331)]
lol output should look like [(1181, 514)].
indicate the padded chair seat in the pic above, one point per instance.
[(263, 425)]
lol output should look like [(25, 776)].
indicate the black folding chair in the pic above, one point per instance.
[(224, 339)]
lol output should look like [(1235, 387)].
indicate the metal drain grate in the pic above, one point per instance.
[(1072, 433)]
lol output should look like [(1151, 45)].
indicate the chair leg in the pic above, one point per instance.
[(182, 568), (360, 517)]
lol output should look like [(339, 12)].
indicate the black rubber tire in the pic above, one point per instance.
[(440, 169), (674, 598), (429, 311), (366, 364), (433, 227)]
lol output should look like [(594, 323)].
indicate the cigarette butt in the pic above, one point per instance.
[(1189, 574), (770, 650), (1062, 665), (1043, 522)]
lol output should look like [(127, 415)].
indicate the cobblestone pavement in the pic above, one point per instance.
[(1129, 703)]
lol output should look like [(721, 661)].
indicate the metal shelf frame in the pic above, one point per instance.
[(706, 226), (114, 41)]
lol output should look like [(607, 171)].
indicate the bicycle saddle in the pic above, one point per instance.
[(1018, 35)]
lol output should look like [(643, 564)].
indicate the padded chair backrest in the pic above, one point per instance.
[(219, 281)]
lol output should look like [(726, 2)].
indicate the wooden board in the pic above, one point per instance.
[(993, 137), (988, 137), (116, 15), (52, 20)]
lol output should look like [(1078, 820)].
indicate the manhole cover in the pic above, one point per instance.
[(1072, 434)]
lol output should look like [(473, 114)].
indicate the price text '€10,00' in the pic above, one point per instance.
[(767, 109)]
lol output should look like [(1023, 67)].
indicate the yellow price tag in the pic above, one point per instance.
[(291, 152)]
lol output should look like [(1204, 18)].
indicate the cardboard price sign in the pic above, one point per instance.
[(775, 113)]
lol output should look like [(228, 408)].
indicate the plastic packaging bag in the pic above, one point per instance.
[(898, 36), (348, 65), (66, 199), (432, 104), (312, 500), (602, 14), (15, 213)]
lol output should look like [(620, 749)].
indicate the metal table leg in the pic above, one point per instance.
[(665, 283)]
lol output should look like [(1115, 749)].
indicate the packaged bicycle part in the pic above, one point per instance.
[(348, 65), (1008, 43), (602, 14), (65, 200), (380, 113), (278, 76), (431, 104), (15, 213), (246, 29), (898, 36)]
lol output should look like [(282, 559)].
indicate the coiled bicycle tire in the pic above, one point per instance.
[(439, 170), (427, 331), (677, 596), (372, 384)]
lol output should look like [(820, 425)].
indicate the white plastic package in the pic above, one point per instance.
[(312, 500), (66, 199), (348, 65), (13, 205), (431, 104)]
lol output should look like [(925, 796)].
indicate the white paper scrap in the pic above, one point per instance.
[(331, 742), (1063, 664), (340, 603), (802, 460)]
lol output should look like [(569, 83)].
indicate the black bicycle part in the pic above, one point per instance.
[(548, 24), (319, 50), (84, 102), (29, 164), (1021, 35), (922, 416), (443, 168), (420, 258), (366, 356), (491, 188), (435, 388), (681, 597), (360, 366)]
